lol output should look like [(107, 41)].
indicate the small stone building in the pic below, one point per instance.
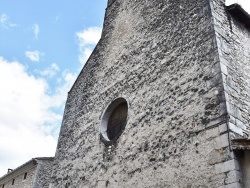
[(33, 174), (163, 101)]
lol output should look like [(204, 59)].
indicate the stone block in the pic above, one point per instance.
[(233, 110), (216, 156), (217, 180), (212, 133), (223, 69), (235, 129), (216, 121), (222, 141), (240, 124), (233, 177), (223, 128), (226, 166), (232, 119), (233, 185)]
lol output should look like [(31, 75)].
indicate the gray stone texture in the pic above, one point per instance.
[(19, 179), (164, 57), (233, 40), (43, 173), (38, 174)]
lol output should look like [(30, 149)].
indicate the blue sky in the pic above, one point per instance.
[(57, 21), (43, 46)]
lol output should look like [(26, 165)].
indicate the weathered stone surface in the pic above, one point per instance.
[(233, 40), (35, 173), (19, 181), (43, 173), (161, 56)]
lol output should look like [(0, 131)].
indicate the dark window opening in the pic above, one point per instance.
[(114, 120), (13, 181), (117, 121), (25, 176)]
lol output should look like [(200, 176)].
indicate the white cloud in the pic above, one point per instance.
[(3, 18), (5, 23), (26, 116), (89, 36), (30, 116), (87, 39), (29, 123), (50, 71), (36, 30), (33, 55)]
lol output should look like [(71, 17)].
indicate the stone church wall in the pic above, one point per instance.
[(233, 44), (162, 57), (43, 173), (233, 39)]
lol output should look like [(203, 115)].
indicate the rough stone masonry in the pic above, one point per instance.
[(180, 72)]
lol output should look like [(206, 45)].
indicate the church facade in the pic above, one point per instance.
[(163, 101)]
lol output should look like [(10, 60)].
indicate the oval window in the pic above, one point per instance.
[(114, 120)]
